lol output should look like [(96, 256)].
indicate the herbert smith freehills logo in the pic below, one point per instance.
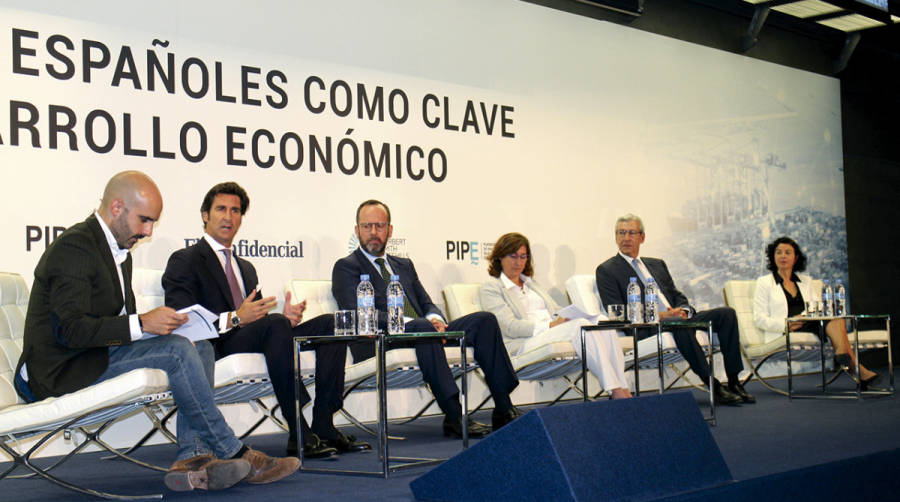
[(396, 246), (255, 249), (472, 251)]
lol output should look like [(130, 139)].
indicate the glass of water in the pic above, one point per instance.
[(345, 322), (813, 308), (616, 312)]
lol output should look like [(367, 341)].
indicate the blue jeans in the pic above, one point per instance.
[(201, 428), (23, 389)]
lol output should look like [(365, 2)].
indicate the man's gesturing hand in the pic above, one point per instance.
[(252, 310)]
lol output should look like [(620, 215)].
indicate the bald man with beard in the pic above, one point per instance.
[(82, 328)]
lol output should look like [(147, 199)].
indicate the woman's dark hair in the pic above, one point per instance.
[(799, 265), (509, 244)]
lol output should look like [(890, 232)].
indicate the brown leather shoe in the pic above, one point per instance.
[(205, 472), (266, 469)]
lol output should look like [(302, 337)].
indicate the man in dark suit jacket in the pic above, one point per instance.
[(612, 282), (373, 228), (82, 328), (204, 274)]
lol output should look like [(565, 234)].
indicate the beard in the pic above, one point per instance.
[(375, 246), (119, 228)]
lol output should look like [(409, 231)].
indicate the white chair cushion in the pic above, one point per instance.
[(550, 351), (13, 305), (871, 336), (123, 388), (146, 283), (317, 294), (582, 291), (252, 366), (239, 367), (462, 299)]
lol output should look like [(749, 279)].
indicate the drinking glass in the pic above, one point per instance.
[(813, 308), (616, 312), (345, 322)]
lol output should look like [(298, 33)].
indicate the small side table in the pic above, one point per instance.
[(382, 342), (854, 323), (660, 327)]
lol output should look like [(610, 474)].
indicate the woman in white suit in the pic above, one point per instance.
[(527, 315), (783, 293)]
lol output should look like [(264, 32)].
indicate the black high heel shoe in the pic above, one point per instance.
[(843, 360), (869, 382)]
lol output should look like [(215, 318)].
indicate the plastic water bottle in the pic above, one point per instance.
[(840, 298), (365, 307), (635, 307), (395, 306), (827, 299), (651, 301)]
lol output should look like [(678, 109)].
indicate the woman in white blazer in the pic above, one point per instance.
[(528, 319), (783, 293)]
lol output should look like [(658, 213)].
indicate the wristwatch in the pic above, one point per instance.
[(235, 320)]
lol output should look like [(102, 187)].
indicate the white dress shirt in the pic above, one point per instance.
[(662, 296), (535, 308)]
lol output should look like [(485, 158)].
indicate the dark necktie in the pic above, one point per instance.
[(236, 294), (408, 310)]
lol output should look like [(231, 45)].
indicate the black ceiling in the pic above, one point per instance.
[(723, 24)]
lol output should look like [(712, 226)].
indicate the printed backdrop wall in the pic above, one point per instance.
[(469, 118)]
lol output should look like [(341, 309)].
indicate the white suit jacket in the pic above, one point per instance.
[(510, 312), (770, 307)]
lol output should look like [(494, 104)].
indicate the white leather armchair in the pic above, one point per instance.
[(805, 347), (547, 362), (90, 410)]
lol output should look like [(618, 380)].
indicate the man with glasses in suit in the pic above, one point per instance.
[(373, 228), (612, 282)]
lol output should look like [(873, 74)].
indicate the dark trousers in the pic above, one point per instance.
[(724, 323), (483, 334), (273, 337)]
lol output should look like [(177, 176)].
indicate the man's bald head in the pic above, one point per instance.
[(130, 205), (129, 186)]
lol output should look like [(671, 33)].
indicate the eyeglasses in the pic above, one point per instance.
[(379, 225), (623, 233), (514, 256)]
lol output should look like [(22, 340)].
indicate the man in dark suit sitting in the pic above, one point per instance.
[(82, 328), (373, 228), (208, 273), (612, 282)]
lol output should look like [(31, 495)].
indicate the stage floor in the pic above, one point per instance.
[(772, 436)]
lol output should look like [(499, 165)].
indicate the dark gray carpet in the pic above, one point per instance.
[(775, 435)]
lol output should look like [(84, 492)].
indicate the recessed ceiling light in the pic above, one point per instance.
[(852, 22), (807, 8)]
